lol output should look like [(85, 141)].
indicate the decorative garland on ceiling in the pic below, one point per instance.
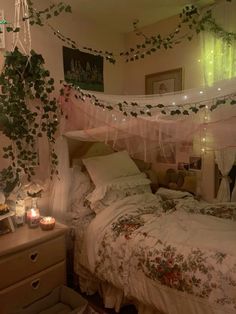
[(134, 109), (190, 16), (39, 17)]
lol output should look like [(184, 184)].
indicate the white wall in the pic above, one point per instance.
[(184, 55)]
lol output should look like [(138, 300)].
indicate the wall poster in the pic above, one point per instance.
[(83, 69)]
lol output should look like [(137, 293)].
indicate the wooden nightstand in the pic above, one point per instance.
[(32, 263)]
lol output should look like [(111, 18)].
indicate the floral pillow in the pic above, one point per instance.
[(117, 190)]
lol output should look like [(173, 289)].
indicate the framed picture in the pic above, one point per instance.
[(2, 30), (83, 69), (195, 163), (164, 82)]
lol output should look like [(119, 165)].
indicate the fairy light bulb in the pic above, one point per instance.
[(204, 140), (201, 92), (173, 103), (203, 150), (206, 107), (219, 89), (185, 96)]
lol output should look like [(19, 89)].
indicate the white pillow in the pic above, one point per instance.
[(103, 169), (118, 189), (172, 194)]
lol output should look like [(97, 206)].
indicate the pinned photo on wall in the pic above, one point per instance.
[(195, 163), (166, 154), (83, 69)]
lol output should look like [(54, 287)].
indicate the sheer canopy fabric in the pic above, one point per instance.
[(143, 136)]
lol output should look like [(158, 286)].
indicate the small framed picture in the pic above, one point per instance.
[(164, 82), (183, 166), (195, 163)]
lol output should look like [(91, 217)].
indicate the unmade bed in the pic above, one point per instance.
[(165, 252)]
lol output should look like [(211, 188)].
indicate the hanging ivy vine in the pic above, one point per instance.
[(190, 17), (134, 109), (27, 112), (40, 17)]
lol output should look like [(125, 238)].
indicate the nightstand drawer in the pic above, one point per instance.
[(21, 265), (32, 288)]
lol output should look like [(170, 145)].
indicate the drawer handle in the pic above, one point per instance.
[(34, 256), (35, 284)]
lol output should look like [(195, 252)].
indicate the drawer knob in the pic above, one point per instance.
[(35, 284), (34, 256)]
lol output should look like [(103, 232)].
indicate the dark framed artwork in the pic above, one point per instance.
[(83, 69), (164, 82), (195, 163)]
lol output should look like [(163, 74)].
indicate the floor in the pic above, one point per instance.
[(96, 302)]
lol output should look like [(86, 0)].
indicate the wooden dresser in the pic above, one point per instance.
[(32, 263)]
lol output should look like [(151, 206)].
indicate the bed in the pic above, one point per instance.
[(162, 250)]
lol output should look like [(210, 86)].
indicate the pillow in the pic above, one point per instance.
[(103, 169), (168, 194), (118, 189)]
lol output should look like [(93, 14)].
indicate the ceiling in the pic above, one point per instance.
[(119, 15)]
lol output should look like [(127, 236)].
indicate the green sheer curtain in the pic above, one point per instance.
[(218, 58)]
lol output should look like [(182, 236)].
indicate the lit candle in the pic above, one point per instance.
[(33, 217), (47, 223)]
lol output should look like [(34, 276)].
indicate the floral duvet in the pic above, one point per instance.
[(174, 255)]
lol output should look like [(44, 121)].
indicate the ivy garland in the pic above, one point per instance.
[(27, 112), (133, 109), (39, 17), (190, 16)]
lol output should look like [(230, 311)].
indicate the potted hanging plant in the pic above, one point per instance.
[(28, 111)]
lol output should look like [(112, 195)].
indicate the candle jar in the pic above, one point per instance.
[(33, 217), (20, 212), (47, 223)]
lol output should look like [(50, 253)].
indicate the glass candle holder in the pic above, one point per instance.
[(20, 212), (33, 217)]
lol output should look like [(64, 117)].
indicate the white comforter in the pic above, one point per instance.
[(162, 254)]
